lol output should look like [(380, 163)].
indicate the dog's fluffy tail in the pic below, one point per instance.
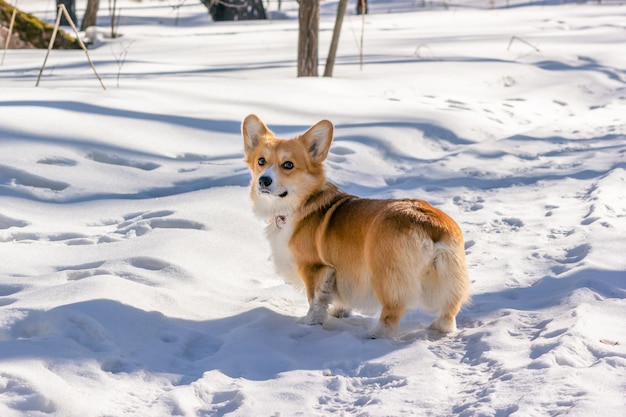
[(449, 287)]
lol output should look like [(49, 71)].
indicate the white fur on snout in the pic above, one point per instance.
[(269, 173), (274, 188), (268, 202)]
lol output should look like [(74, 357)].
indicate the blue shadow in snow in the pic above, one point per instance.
[(223, 126), (257, 344), (550, 291), (116, 155)]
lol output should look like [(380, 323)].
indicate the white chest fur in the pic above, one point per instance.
[(279, 233)]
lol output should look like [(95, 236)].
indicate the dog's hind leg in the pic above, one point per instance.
[(392, 268), (321, 287), (387, 325), (446, 320)]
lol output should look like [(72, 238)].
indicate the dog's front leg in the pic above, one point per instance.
[(320, 290)]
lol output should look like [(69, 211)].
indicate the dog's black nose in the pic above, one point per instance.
[(265, 182)]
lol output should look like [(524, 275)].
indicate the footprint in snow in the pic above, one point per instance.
[(148, 263), (6, 291), (7, 222), (31, 402), (57, 161), (338, 153), (134, 225), (217, 395), (354, 385), (572, 256), (506, 224), (575, 254), (19, 179), (225, 402), (67, 238), (138, 224), (143, 270), (201, 346), (457, 105), (78, 272), (469, 204), (112, 159)]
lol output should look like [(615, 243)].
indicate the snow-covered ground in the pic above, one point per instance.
[(135, 281)]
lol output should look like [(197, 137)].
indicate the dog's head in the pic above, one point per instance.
[(284, 172)]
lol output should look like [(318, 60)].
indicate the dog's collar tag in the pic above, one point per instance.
[(280, 221)]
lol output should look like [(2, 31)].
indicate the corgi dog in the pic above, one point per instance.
[(350, 252)]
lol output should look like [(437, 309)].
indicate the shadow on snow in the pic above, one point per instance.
[(257, 344)]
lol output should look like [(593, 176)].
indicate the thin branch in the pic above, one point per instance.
[(363, 6), (6, 43), (82, 45), (52, 39), (177, 8), (63, 10), (515, 38), (332, 52), (121, 59), (114, 20)]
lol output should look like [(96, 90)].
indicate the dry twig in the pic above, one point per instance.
[(6, 42), (63, 10), (515, 38)]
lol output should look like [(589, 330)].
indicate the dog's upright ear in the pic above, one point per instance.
[(253, 131), (317, 140)]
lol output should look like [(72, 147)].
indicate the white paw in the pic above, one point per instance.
[(382, 331), (444, 326), (313, 317)]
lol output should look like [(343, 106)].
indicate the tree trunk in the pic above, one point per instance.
[(361, 5), (332, 52), (91, 14), (33, 31), (70, 5), (309, 18)]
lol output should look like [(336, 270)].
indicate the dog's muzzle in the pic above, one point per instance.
[(264, 185)]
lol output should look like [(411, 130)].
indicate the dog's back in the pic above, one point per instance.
[(404, 252)]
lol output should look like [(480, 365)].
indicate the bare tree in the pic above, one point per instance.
[(332, 52), (91, 14), (309, 18), (115, 14), (361, 7)]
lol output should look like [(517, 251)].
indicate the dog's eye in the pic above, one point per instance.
[(287, 165), (262, 161)]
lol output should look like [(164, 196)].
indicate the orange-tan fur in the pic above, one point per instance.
[(349, 251)]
